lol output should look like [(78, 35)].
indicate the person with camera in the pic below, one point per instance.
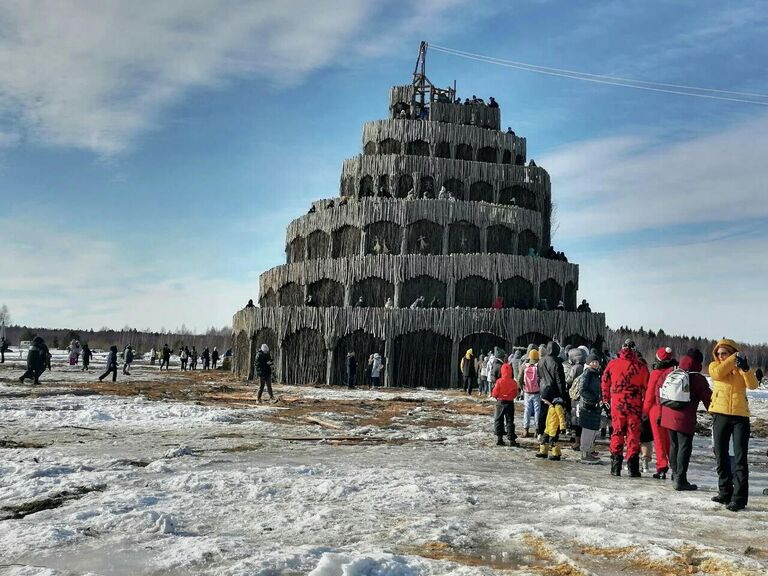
[(731, 377)]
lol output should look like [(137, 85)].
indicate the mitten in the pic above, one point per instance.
[(741, 362)]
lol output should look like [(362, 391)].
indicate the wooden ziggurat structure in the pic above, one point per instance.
[(389, 236)]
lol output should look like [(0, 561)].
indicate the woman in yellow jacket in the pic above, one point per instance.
[(731, 377)]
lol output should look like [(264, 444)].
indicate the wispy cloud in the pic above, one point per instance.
[(94, 75), (625, 184)]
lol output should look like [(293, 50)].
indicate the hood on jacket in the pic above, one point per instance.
[(531, 347), (585, 350), (469, 354), (690, 364), (724, 342), (553, 348), (576, 356), (264, 348), (38, 340), (113, 349), (628, 354), (518, 355), (506, 371)]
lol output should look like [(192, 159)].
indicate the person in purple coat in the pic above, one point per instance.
[(681, 423)]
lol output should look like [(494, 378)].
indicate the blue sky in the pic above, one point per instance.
[(152, 154)]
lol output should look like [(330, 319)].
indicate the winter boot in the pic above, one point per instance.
[(721, 498), (685, 487), (661, 474), (616, 462), (587, 458), (634, 466), (735, 506), (500, 441), (555, 452), (513, 442), (543, 451), (526, 433)]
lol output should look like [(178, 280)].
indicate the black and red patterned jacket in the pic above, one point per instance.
[(624, 382)]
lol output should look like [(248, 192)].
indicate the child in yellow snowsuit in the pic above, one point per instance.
[(555, 425)]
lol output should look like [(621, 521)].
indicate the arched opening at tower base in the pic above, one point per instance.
[(532, 338), (363, 345), (304, 357), (481, 343), (422, 359)]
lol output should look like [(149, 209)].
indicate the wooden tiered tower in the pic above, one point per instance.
[(440, 205)]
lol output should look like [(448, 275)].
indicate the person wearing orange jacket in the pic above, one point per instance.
[(731, 377), (505, 391), (665, 363), (623, 389)]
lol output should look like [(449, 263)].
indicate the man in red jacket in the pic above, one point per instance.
[(623, 387), (505, 392)]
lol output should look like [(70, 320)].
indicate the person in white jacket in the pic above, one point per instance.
[(376, 370)]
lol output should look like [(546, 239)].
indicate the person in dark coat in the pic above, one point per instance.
[(264, 372), (37, 358), (193, 359), (551, 373), (3, 349), (759, 375), (681, 423), (589, 407), (351, 369), (206, 357), (214, 357), (250, 304), (165, 358), (87, 355), (111, 364)]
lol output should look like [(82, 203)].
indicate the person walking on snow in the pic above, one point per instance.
[(573, 368), (505, 392), (152, 356), (37, 357), (127, 359), (376, 369), (264, 372), (193, 359), (731, 377), (111, 364), (681, 422), (166, 358), (87, 355), (206, 357), (214, 357), (3, 349), (665, 363), (623, 387)]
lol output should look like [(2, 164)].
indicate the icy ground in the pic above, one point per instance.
[(183, 473)]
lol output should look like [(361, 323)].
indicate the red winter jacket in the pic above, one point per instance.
[(505, 387), (624, 382), (655, 381), (684, 420)]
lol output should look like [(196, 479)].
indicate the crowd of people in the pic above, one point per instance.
[(585, 391), (39, 358)]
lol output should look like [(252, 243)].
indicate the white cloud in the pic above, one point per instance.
[(625, 184), (700, 289), (94, 75)]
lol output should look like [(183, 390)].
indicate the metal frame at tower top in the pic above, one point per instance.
[(421, 84)]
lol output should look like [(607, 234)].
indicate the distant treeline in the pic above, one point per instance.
[(649, 341), (141, 341)]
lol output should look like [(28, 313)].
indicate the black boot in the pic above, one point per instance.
[(634, 466), (500, 441), (616, 462)]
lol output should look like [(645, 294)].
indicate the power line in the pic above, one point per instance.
[(609, 80)]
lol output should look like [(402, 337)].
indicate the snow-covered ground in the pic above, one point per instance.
[(331, 482)]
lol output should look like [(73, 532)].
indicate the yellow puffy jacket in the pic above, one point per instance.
[(729, 384)]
